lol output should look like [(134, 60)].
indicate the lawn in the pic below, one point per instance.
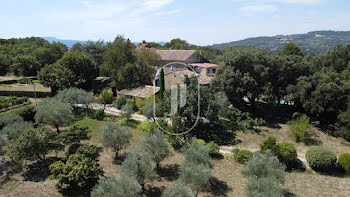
[(227, 179)]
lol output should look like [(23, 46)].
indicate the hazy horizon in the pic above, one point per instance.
[(200, 23)]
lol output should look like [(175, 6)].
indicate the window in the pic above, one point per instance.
[(172, 67), (200, 70), (158, 83)]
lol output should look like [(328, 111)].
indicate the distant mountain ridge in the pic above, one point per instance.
[(68, 43), (311, 43)]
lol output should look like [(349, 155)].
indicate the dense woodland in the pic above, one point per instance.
[(252, 87)]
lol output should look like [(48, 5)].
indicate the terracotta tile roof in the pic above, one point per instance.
[(142, 91), (145, 46), (204, 65), (175, 55), (203, 79)]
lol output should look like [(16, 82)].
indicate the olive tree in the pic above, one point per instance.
[(177, 190), (139, 165), (75, 96), (123, 186), (265, 175), (195, 176), (115, 136), (53, 112), (157, 146)]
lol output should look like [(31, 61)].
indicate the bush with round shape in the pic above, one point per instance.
[(344, 162), (321, 159), (287, 154), (243, 156), (270, 144), (213, 148)]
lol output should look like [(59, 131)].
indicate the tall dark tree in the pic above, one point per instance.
[(243, 74), (162, 83), (292, 49)]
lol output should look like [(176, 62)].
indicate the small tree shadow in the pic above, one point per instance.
[(169, 172), (39, 170), (215, 132), (121, 158), (218, 187), (287, 193), (76, 191), (154, 191)]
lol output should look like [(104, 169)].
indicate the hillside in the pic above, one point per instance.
[(311, 43), (68, 43)]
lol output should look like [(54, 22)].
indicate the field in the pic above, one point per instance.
[(227, 179), (24, 87)]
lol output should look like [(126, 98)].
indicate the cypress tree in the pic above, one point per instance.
[(162, 83)]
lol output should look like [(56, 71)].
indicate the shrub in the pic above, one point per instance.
[(321, 159), (115, 136), (127, 111), (3, 140), (8, 119), (78, 170), (264, 187), (121, 100), (175, 141), (113, 187), (74, 134), (270, 144), (148, 127), (148, 110), (213, 148), (343, 132), (200, 142), (27, 113), (301, 130), (243, 156), (99, 114), (235, 151), (139, 166), (344, 162), (15, 129), (130, 102), (32, 144), (156, 146), (287, 154)]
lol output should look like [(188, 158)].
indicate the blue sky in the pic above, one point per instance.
[(200, 22)]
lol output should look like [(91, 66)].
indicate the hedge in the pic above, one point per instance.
[(24, 93)]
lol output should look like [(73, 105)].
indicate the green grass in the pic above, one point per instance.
[(94, 125), (14, 111)]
